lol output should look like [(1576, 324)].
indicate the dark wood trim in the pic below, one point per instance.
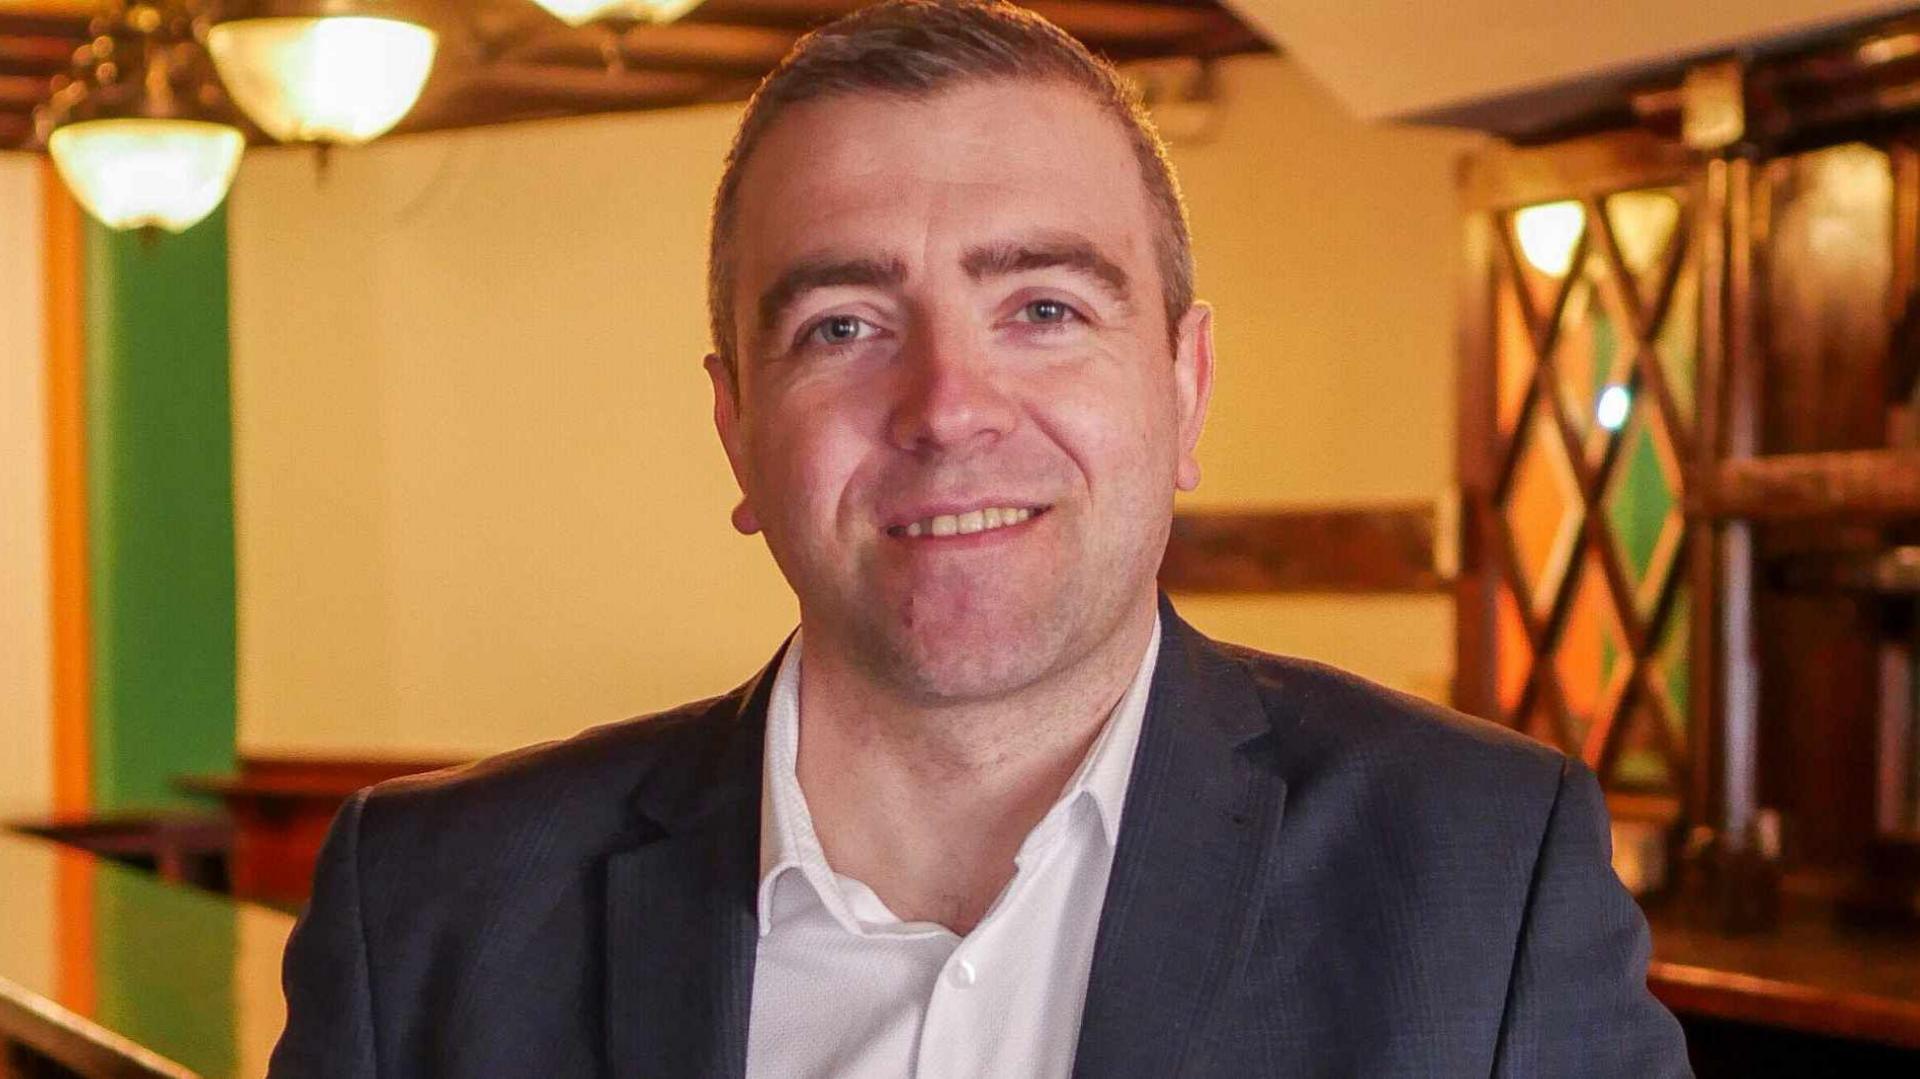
[(1476, 471), (308, 777), (504, 61), (1501, 176), (1859, 484), (1388, 548), (282, 808)]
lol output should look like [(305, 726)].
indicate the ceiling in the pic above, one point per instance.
[(505, 60), (1514, 65)]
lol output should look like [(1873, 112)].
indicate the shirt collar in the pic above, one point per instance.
[(787, 837)]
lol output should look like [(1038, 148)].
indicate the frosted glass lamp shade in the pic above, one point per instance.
[(336, 78), (582, 12), (131, 173)]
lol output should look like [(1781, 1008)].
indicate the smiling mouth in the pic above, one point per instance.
[(966, 524)]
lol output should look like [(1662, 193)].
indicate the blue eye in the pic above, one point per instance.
[(838, 330), (1047, 312)]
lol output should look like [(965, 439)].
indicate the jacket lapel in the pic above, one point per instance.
[(1202, 818), (680, 903)]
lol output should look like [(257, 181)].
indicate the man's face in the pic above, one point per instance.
[(949, 317)]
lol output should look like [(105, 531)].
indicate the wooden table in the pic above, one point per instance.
[(110, 971)]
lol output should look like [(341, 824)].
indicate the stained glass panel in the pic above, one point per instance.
[(1513, 355), (1547, 240), (1644, 225), (1543, 510), (1677, 342), (1513, 654), (1591, 657), (1591, 353), (1673, 671), (1642, 505)]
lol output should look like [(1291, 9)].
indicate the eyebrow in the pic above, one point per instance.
[(979, 263), (1046, 253), (810, 274)]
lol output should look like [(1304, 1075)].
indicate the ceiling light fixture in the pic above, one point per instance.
[(129, 137), (582, 12), (325, 71)]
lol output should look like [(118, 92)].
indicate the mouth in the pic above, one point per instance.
[(967, 523)]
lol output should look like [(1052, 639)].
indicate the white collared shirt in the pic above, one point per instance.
[(844, 989)]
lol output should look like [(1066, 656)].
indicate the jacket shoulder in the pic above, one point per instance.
[(1425, 751), (558, 800)]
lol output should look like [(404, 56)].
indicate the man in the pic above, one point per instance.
[(995, 810)]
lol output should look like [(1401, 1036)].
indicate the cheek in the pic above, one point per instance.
[(810, 453), (1117, 426)]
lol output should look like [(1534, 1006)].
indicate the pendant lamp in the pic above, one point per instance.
[(582, 12), (323, 71), (131, 141)]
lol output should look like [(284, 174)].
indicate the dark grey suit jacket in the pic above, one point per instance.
[(1315, 876)]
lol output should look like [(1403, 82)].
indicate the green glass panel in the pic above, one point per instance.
[(1639, 502)]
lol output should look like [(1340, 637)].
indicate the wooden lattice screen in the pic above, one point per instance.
[(1592, 306)]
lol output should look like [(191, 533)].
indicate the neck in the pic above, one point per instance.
[(928, 805)]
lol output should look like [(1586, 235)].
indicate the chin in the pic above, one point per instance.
[(970, 661)]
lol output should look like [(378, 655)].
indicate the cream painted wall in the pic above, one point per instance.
[(1327, 247), (479, 499), (26, 641)]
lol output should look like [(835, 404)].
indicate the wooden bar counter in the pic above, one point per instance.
[(1809, 975), (109, 971)]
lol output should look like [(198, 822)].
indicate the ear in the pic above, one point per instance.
[(1193, 386), (726, 422)]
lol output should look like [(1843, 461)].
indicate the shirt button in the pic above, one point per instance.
[(962, 974)]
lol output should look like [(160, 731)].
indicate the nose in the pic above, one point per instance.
[(951, 402)]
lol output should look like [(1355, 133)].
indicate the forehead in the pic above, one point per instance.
[(922, 178)]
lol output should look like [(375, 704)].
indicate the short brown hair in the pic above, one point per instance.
[(915, 48)]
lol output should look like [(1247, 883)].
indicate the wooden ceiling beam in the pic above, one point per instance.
[(1092, 21), (676, 46), (23, 91), (541, 82), (22, 24), (31, 55), (509, 91), (16, 130), (503, 60), (482, 105)]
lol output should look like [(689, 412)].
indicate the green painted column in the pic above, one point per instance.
[(160, 509)]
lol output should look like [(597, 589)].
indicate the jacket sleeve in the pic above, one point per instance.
[(1578, 1002), (329, 1031)]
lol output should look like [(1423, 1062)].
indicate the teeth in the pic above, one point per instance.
[(965, 524)]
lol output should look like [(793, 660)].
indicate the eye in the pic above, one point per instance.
[(837, 330), (1047, 312)]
